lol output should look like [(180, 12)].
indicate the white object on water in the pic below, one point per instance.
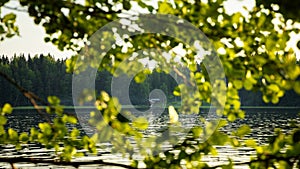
[(153, 101)]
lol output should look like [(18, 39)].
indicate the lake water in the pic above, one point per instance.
[(262, 121)]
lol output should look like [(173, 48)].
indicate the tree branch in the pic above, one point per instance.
[(33, 98), (75, 164), (29, 95), (270, 157), (15, 9)]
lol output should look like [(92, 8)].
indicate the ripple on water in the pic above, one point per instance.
[(262, 124)]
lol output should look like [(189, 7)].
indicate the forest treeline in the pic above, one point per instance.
[(44, 75)]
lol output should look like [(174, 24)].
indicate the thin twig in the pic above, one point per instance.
[(15, 9), (259, 160), (29, 95), (33, 98), (12, 160), (12, 165)]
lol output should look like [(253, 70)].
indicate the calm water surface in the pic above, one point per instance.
[(262, 121)]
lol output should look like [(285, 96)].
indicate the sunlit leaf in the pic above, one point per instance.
[(243, 130), (53, 100), (238, 84), (140, 123), (72, 119), (13, 135), (231, 117), (165, 8), (197, 131), (173, 115), (45, 128), (250, 143), (9, 17), (297, 87), (23, 137), (105, 96), (7, 109)]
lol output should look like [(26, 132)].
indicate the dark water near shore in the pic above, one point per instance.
[(262, 121)]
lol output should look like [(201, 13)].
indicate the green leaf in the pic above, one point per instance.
[(238, 84), (274, 87), (2, 131), (231, 117), (140, 77), (248, 85), (236, 104), (176, 91), (45, 128), (142, 4), (23, 137), (197, 131), (79, 154), (13, 135), (266, 99), (182, 155), (53, 100), (193, 67), (3, 120), (140, 123), (9, 17), (241, 114), (230, 165), (275, 99), (297, 87), (165, 8), (33, 134), (47, 39), (235, 142), (72, 119), (105, 96), (7, 109), (261, 19), (2, 29), (251, 143), (218, 138), (236, 17), (9, 35), (74, 133), (126, 4), (134, 163), (64, 119), (222, 123), (104, 135), (270, 43), (243, 130)]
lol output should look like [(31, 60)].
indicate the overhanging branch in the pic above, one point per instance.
[(15, 9), (29, 95), (75, 164)]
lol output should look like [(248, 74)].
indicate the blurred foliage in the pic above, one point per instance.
[(51, 135), (7, 26), (286, 8), (252, 48)]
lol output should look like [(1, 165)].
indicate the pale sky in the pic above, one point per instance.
[(30, 41), (32, 36)]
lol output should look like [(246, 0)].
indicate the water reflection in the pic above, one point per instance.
[(262, 123)]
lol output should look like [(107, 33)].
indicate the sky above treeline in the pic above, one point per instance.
[(31, 39)]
